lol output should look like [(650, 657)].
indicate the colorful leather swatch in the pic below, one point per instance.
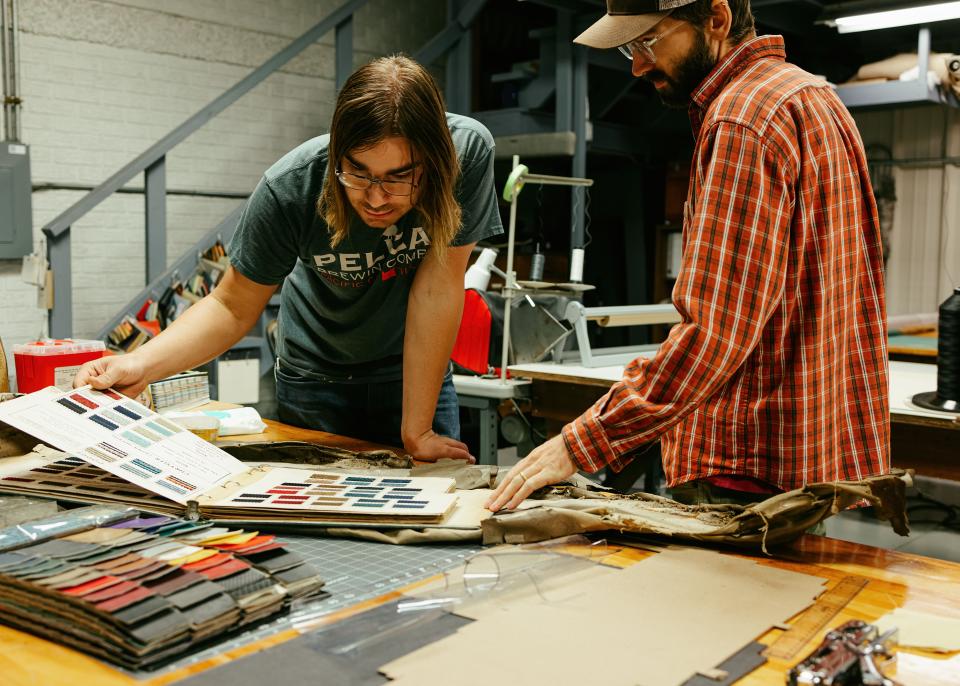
[(150, 589)]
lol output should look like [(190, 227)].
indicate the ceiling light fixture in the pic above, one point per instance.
[(907, 16)]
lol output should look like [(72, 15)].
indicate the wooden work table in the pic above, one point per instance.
[(894, 580)]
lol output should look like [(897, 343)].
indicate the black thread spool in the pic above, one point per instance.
[(536, 264), (947, 396)]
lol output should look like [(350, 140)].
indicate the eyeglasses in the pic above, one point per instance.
[(645, 47), (362, 183)]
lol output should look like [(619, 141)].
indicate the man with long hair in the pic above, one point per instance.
[(777, 374), (370, 229)]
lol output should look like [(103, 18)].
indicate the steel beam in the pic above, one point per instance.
[(441, 43), (155, 204), (564, 72), (459, 76), (61, 316), (344, 51)]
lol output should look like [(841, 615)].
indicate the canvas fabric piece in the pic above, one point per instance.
[(891, 68), (580, 506), (301, 452), (779, 519)]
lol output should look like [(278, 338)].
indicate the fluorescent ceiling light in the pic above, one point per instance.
[(923, 14)]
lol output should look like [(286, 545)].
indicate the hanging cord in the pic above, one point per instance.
[(533, 432), (586, 212), (586, 217), (540, 237)]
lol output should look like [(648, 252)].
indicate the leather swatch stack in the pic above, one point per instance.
[(147, 590)]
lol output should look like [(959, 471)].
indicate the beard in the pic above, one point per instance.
[(690, 73)]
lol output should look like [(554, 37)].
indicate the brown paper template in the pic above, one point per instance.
[(669, 616)]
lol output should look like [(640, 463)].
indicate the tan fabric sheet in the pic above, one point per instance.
[(672, 615)]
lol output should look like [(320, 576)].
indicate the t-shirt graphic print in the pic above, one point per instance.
[(400, 254)]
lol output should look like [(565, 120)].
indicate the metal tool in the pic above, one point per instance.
[(848, 655)]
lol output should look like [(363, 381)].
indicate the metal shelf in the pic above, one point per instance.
[(895, 94), (900, 93)]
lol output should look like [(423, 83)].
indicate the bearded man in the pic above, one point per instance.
[(777, 374)]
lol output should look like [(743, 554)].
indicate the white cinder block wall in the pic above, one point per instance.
[(102, 80)]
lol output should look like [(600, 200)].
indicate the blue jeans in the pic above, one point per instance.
[(369, 411)]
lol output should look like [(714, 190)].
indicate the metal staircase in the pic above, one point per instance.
[(152, 163)]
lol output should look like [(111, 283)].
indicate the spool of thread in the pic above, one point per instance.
[(536, 265), (953, 68), (576, 265), (947, 396), (953, 73)]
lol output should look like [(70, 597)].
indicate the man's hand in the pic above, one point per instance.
[(547, 464), (430, 447), (125, 373)]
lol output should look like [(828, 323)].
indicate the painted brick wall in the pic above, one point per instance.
[(103, 80)]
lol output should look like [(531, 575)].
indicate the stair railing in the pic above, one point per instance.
[(152, 163)]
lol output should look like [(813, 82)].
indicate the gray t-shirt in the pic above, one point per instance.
[(342, 310)]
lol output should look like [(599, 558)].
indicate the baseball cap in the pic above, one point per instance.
[(625, 20)]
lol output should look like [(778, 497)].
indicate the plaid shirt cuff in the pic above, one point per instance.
[(588, 445)]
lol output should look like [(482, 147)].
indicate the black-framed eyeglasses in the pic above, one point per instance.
[(645, 47), (358, 182)]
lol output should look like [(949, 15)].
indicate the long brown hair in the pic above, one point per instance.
[(395, 96)]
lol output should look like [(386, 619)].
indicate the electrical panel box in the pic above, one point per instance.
[(16, 220)]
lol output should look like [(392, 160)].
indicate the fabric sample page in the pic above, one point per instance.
[(308, 490), (123, 437), (53, 474)]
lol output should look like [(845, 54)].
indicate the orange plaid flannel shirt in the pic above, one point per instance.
[(778, 370)]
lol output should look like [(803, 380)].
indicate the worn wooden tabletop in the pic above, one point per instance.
[(894, 580)]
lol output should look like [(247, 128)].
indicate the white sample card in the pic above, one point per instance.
[(303, 489), (124, 438)]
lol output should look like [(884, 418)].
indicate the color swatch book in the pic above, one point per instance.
[(145, 590), (182, 391), (138, 446)]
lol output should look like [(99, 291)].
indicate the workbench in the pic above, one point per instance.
[(486, 394), (913, 347), (920, 439), (894, 579)]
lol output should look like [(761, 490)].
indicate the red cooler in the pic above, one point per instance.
[(52, 363)]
